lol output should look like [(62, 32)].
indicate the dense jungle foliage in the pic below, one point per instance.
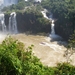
[(15, 59)]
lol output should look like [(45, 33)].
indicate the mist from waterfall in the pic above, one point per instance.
[(12, 23), (4, 3)]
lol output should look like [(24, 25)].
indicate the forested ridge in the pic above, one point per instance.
[(63, 11)]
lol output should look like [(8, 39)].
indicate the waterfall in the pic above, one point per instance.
[(12, 23), (10, 27), (52, 35), (52, 28), (44, 13), (51, 19), (2, 23), (26, 0), (38, 1)]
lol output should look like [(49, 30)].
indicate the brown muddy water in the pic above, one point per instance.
[(49, 53)]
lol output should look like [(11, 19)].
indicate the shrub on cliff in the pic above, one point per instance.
[(64, 69)]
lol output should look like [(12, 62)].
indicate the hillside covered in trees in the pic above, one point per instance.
[(63, 11)]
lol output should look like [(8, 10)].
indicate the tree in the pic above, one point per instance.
[(70, 47)]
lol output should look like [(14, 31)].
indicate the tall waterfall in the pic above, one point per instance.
[(52, 34), (49, 18), (52, 28), (12, 23), (2, 23)]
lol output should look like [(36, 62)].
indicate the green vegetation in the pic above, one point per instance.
[(72, 41), (15, 59), (70, 47), (19, 6), (60, 8), (64, 69), (32, 20), (64, 12)]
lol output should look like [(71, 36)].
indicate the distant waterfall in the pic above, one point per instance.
[(38, 1), (52, 28), (49, 18), (52, 35), (12, 23), (44, 13), (26, 0), (2, 23)]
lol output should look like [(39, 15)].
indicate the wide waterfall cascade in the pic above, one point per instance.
[(2, 23), (13, 23)]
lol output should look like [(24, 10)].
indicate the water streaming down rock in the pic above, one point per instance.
[(52, 35), (52, 28), (38, 1), (44, 13), (2, 27), (26, 0), (2, 23), (12, 23)]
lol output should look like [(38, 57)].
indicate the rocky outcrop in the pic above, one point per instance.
[(29, 22)]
